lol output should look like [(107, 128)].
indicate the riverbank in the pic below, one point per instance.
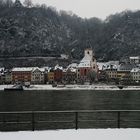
[(75, 87)]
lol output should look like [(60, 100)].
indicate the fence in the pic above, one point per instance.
[(46, 120)]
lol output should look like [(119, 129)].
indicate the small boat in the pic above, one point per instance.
[(54, 85), (120, 86), (15, 88)]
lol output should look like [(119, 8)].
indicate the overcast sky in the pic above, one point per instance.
[(92, 8)]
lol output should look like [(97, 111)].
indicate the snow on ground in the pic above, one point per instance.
[(81, 134), (75, 87)]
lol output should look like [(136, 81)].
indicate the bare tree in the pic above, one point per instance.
[(37, 5), (1, 3), (28, 3), (8, 3), (44, 6), (17, 3)]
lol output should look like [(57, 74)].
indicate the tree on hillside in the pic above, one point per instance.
[(8, 3), (17, 3), (1, 3), (28, 3)]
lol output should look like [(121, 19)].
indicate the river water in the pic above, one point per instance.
[(69, 100)]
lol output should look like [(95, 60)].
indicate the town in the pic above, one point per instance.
[(88, 71)]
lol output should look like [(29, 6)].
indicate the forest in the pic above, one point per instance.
[(28, 29)]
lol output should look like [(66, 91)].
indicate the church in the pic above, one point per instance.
[(87, 65)]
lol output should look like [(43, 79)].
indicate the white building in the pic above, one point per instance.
[(135, 74), (38, 75), (134, 60)]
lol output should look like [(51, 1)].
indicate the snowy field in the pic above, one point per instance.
[(91, 134), (75, 87)]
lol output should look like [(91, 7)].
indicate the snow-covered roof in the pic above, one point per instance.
[(101, 65), (58, 67), (85, 62), (73, 70), (40, 69), (135, 70), (64, 70), (108, 65), (23, 69), (134, 57), (47, 68), (113, 62), (126, 67), (73, 65), (1, 69)]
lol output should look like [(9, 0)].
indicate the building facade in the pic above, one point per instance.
[(112, 73), (134, 60), (69, 76), (58, 75), (21, 74), (8, 77), (135, 74), (50, 76), (38, 76)]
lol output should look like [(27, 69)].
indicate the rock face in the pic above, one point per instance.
[(41, 31)]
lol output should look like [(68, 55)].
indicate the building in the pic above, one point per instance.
[(108, 70), (38, 76), (134, 60), (50, 76), (69, 76), (21, 74), (135, 74), (8, 77), (58, 75), (124, 70), (111, 71), (112, 74), (87, 65)]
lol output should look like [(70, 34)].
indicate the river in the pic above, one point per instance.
[(69, 100)]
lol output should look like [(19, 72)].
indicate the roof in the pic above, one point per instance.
[(100, 65), (134, 57), (86, 61), (108, 65), (58, 67), (22, 69), (126, 67), (73, 65), (135, 70), (1, 69), (40, 69)]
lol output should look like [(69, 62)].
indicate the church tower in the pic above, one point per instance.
[(87, 64)]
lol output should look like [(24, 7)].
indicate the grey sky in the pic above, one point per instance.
[(92, 8)]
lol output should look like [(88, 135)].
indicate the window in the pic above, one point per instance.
[(85, 72)]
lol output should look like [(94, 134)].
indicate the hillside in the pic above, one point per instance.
[(42, 31)]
